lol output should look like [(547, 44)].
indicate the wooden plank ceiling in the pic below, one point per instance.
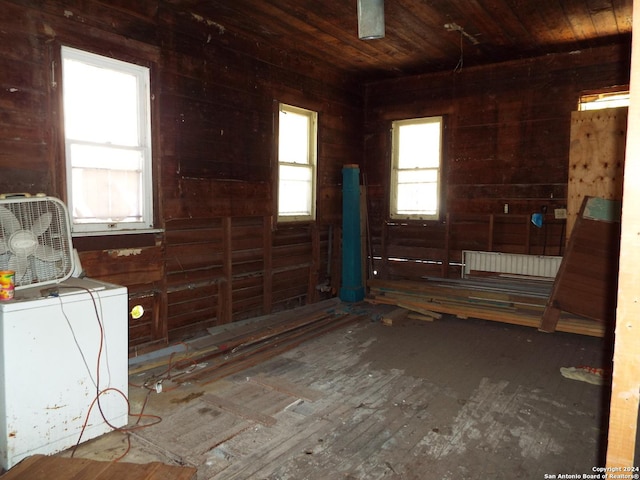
[(422, 36)]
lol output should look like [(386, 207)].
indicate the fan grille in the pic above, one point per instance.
[(35, 240)]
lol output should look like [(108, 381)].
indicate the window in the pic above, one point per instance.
[(415, 168), (597, 101), (107, 134), (297, 140)]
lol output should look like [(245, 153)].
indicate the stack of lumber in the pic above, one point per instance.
[(231, 348), (507, 300)]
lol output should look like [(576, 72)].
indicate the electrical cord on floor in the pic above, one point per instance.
[(184, 365), (96, 382)]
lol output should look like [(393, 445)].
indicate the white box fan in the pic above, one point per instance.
[(35, 240)]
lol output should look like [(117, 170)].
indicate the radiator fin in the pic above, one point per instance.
[(510, 263)]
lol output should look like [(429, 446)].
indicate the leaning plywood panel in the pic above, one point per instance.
[(596, 158)]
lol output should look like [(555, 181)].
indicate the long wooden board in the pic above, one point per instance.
[(470, 300)]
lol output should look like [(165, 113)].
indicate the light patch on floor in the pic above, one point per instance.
[(489, 418)]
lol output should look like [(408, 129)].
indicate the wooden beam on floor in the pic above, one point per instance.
[(501, 301)]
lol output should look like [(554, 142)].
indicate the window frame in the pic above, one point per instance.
[(614, 97), (144, 146), (311, 164), (394, 214)]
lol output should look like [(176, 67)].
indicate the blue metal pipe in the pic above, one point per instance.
[(352, 289)]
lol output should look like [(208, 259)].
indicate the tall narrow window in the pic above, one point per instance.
[(415, 168), (107, 133), (297, 142)]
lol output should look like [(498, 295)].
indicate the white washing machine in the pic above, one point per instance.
[(60, 345)]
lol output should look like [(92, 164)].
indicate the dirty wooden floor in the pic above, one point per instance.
[(449, 399)]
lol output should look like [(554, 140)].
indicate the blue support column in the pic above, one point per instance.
[(352, 289)]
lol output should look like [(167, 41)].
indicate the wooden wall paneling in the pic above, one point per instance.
[(414, 250), (142, 271), (192, 309), (147, 332), (596, 158), (490, 241), (292, 261), (194, 270), (446, 265), (25, 154), (469, 232), (314, 271), (124, 266), (510, 233), (335, 259), (267, 244), (225, 302), (247, 259), (384, 251)]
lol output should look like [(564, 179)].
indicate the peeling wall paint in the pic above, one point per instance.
[(125, 252)]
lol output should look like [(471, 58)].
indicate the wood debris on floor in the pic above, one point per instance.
[(232, 348), (514, 301)]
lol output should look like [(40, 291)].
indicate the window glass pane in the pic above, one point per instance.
[(293, 146), (294, 195), (92, 156), (419, 145), (417, 198), (100, 105), (107, 184), (106, 195)]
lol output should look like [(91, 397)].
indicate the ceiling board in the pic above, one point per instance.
[(417, 41)]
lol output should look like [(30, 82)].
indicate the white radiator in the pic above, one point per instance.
[(510, 263)]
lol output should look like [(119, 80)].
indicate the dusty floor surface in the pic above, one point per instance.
[(449, 399)]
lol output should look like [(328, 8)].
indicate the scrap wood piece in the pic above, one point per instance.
[(397, 314), (420, 310)]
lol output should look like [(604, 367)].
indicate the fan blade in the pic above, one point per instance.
[(41, 224), (9, 222), (48, 254), (4, 248), (18, 265)]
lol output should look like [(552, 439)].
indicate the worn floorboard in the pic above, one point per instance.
[(448, 399)]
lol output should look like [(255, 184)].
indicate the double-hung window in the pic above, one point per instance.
[(416, 164), (107, 130), (297, 152)]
